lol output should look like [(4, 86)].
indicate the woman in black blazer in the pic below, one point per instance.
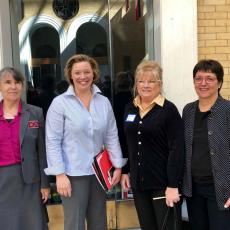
[(23, 183), (206, 181)]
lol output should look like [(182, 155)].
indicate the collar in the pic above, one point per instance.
[(217, 103), (159, 100), (1, 109), (70, 91)]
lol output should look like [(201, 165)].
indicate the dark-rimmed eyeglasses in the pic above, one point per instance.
[(208, 80)]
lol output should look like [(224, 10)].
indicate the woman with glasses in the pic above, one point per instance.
[(154, 132), (207, 142)]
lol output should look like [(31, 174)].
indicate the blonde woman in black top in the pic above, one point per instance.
[(154, 133)]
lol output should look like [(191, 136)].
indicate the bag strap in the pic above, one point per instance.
[(163, 227), (164, 224), (176, 222)]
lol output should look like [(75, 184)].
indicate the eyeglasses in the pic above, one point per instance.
[(152, 82), (208, 80)]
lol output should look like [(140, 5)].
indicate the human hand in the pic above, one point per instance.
[(116, 176), (125, 182), (227, 204), (45, 194), (172, 196), (63, 185)]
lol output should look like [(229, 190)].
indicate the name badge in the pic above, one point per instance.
[(33, 124), (131, 117)]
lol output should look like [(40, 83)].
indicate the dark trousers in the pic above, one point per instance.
[(203, 211), (151, 213)]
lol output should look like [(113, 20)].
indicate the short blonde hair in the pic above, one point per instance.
[(81, 58), (147, 66)]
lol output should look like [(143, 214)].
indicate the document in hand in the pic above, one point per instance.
[(103, 169)]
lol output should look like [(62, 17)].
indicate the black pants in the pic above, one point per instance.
[(151, 212), (203, 211)]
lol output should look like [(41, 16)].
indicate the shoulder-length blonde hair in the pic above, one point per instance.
[(147, 66), (81, 58)]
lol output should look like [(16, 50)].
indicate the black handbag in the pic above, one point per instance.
[(165, 221)]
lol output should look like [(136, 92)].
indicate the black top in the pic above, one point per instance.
[(155, 147), (201, 161)]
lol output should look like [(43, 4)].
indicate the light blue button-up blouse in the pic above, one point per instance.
[(74, 135)]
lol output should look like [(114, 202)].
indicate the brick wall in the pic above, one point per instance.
[(214, 35)]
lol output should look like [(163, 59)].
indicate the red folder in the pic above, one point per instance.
[(103, 169)]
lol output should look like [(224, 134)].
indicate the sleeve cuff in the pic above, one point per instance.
[(54, 170), (119, 163)]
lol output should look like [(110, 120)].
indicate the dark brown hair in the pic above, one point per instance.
[(210, 66)]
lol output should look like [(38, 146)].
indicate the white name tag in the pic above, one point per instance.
[(131, 117)]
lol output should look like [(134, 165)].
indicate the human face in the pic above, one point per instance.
[(206, 85), (82, 76), (10, 88), (148, 86)]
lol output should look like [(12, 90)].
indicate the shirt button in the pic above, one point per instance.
[(139, 132), (140, 122), (210, 132), (212, 152), (139, 164), (138, 153), (139, 143)]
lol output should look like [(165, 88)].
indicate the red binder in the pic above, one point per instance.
[(103, 169)]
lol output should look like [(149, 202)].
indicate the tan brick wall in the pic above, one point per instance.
[(214, 35)]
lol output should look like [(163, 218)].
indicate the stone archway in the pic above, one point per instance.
[(84, 19), (24, 38)]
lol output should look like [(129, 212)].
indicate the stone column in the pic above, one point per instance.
[(5, 35), (175, 43), (10, 15)]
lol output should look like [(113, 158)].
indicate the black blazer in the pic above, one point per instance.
[(32, 142), (219, 144)]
